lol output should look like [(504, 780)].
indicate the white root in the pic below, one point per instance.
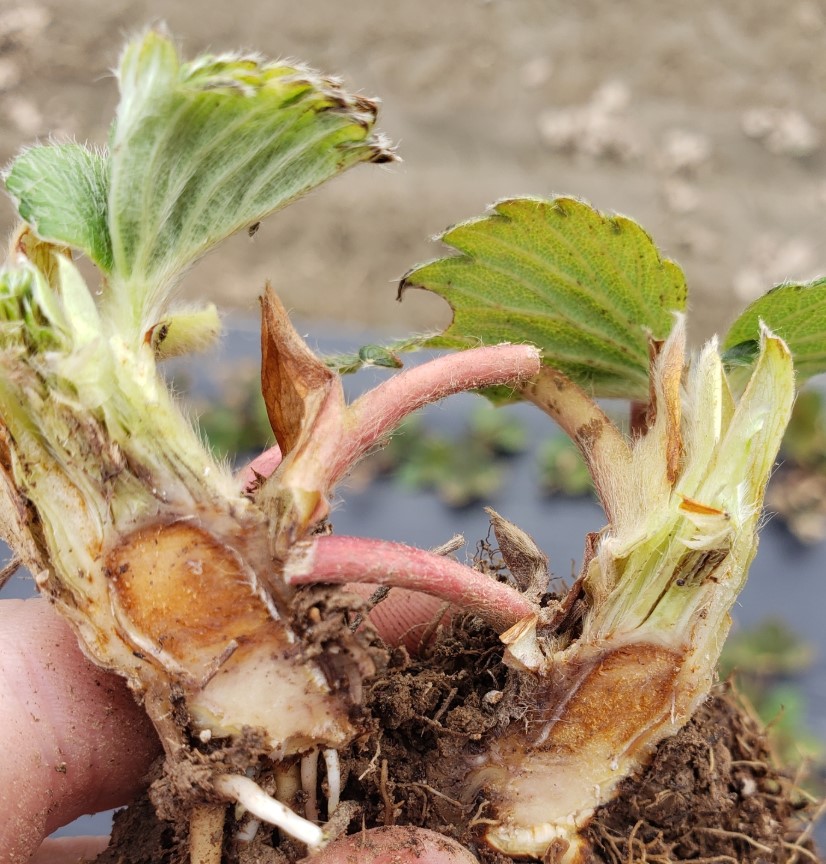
[(246, 834), (287, 781), (251, 796), (309, 784), (333, 766)]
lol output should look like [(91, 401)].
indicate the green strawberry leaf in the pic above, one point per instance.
[(62, 192), (587, 289), (794, 311), (199, 150)]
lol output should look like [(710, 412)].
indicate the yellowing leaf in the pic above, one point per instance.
[(588, 289)]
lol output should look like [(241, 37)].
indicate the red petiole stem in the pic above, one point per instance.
[(374, 415), (339, 560)]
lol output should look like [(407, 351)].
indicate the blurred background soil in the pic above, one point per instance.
[(704, 121)]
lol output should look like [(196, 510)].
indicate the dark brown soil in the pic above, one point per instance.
[(433, 711), (711, 794), (139, 837)]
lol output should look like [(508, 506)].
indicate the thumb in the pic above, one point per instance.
[(74, 740), (398, 845), (404, 617)]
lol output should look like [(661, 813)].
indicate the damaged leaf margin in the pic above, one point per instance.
[(589, 290)]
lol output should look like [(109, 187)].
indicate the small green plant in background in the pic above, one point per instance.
[(765, 662), (461, 469), (798, 490), (236, 423), (562, 470)]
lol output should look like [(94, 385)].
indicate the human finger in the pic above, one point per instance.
[(69, 850), (404, 617), (394, 845), (74, 739)]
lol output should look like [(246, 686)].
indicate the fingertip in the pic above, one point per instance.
[(260, 468), (395, 845), (404, 617)]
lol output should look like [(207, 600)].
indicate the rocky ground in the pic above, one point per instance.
[(706, 124)]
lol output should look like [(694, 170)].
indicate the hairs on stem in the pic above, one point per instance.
[(338, 560)]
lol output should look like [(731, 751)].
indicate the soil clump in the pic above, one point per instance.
[(712, 793)]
